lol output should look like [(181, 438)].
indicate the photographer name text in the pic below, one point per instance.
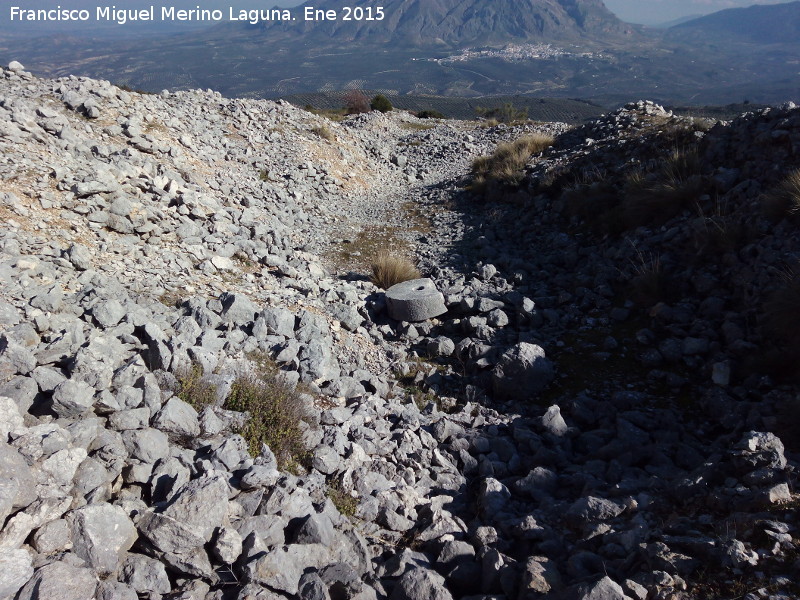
[(122, 16)]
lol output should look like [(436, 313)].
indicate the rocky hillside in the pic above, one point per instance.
[(203, 397)]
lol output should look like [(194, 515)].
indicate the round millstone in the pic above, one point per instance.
[(415, 300)]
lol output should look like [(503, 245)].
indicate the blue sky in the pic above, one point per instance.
[(648, 12)]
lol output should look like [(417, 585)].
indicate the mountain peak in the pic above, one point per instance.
[(462, 23)]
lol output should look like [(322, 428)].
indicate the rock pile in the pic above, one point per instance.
[(149, 237)]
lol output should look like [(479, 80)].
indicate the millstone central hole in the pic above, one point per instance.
[(420, 288)]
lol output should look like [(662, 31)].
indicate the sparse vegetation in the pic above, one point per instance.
[(332, 114), (276, 412), (126, 88), (417, 126), (781, 321), (275, 409), (195, 389), (507, 113), (152, 125), (430, 114), (648, 280), (324, 132), (653, 200), (172, 298), (718, 233), (389, 268), (381, 103), (506, 164), (412, 379), (344, 502), (784, 199)]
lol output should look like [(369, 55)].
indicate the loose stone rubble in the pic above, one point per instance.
[(485, 453)]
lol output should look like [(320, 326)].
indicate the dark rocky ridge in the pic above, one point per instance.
[(655, 475), (770, 24)]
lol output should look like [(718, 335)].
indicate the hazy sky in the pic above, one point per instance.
[(648, 12), (651, 12)]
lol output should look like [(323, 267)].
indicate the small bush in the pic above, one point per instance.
[(508, 160), (342, 500), (784, 199), (194, 389), (507, 113), (430, 114), (381, 103), (356, 102), (276, 411), (389, 269), (324, 132)]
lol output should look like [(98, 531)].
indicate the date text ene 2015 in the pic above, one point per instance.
[(346, 13)]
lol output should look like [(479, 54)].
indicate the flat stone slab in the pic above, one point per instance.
[(415, 300)]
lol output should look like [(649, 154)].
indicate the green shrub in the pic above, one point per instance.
[(342, 500), (508, 161), (381, 103), (275, 410), (430, 114), (389, 269), (196, 390)]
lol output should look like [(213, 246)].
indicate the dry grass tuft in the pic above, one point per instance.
[(389, 269), (780, 322), (784, 199), (652, 202), (324, 132), (508, 161), (648, 280), (782, 309)]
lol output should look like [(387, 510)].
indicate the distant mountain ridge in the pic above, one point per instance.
[(764, 23), (461, 23), (419, 49)]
